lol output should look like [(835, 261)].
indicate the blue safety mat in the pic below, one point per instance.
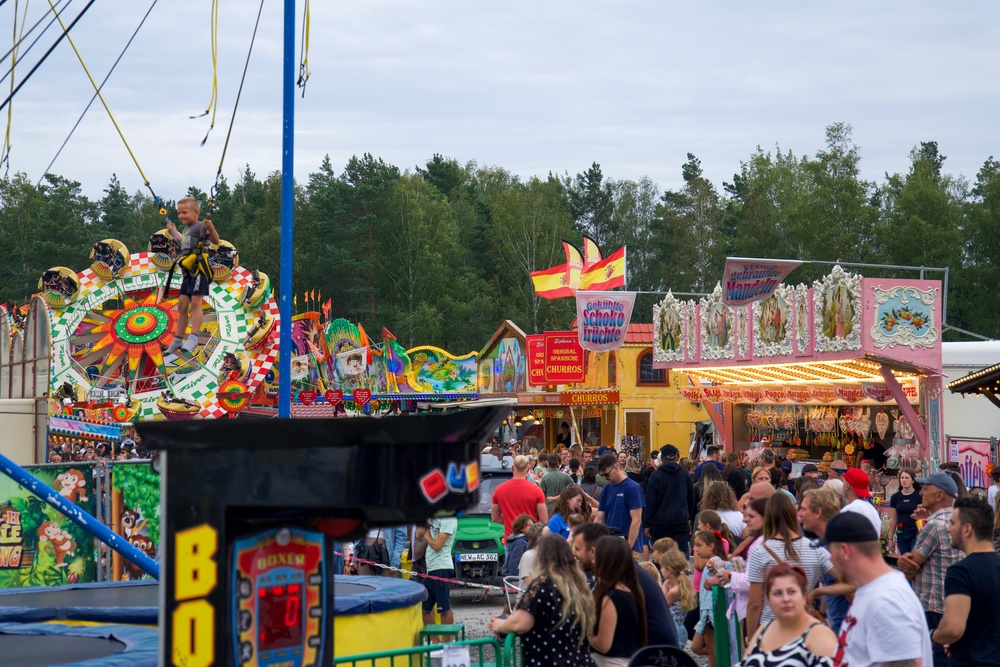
[(374, 594), (107, 602), (110, 645)]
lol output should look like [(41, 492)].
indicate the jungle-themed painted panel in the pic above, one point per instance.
[(440, 372), (137, 487), (39, 546)]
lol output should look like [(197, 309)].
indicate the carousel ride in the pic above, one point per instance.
[(111, 323)]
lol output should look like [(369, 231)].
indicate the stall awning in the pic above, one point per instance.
[(985, 382), (806, 372)]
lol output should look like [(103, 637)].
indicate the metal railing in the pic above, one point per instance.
[(483, 652)]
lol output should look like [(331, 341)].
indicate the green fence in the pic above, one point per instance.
[(484, 652), (728, 631)]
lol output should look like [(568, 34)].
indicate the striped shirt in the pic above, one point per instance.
[(814, 561)]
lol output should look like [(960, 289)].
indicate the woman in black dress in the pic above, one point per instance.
[(556, 614)]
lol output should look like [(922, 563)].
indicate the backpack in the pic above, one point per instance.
[(376, 552)]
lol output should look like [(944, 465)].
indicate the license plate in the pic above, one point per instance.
[(465, 558)]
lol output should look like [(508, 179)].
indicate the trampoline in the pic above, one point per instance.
[(130, 602), (53, 644)]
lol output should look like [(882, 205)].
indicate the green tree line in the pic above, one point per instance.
[(440, 254)]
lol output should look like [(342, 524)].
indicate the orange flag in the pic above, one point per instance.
[(552, 283), (591, 253)]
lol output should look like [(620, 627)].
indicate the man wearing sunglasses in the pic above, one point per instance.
[(622, 501)]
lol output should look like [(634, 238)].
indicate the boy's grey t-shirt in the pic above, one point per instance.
[(191, 236)]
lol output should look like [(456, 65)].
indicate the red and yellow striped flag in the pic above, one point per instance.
[(552, 283), (605, 274)]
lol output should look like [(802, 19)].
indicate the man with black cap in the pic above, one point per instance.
[(885, 624), (933, 553), (670, 504)]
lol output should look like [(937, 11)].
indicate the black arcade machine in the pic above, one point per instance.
[(251, 509)]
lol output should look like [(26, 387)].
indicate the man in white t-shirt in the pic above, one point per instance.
[(991, 493), (857, 494), (885, 624)]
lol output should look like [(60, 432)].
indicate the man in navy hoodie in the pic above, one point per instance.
[(670, 505)]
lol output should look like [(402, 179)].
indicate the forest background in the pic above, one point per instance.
[(440, 254)]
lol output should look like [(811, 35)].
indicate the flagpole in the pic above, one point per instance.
[(287, 215)]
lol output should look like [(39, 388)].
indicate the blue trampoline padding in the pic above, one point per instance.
[(141, 644), (79, 602), (387, 593)]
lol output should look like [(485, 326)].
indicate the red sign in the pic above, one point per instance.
[(752, 394), (598, 397), (692, 394), (361, 396), (849, 393), (823, 393), (564, 360), (536, 359), (774, 394), (712, 394), (798, 394), (730, 394), (334, 396), (307, 397)]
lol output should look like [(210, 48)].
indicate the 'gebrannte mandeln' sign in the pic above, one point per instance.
[(747, 280)]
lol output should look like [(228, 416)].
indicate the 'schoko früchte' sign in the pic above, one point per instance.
[(602, 319)]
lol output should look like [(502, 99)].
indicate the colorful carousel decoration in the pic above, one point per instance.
[(111, 323)]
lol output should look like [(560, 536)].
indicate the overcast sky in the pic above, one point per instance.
[(530, 86)]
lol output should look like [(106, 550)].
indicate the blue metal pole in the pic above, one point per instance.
[(287, 216), (79, 517)]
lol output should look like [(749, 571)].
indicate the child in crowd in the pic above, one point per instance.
[(573, 520), (677, 588), (707, 545), (710, 520), (653, 571), (662, 546)]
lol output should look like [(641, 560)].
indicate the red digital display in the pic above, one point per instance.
[(279, 617)]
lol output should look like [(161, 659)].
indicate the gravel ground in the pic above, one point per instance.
[(474, 612)]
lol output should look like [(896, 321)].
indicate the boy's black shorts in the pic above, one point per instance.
[(193, 285)]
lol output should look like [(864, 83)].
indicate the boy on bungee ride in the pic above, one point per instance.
[(195, 270)]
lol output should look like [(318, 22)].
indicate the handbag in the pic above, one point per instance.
[(376, 552), (812, 611)]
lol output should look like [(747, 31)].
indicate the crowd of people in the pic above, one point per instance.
[(614, 554)]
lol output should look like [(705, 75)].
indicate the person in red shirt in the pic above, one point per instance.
[(518, 496)]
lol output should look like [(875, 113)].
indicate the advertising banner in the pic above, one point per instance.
[(38, 545), (602, 319), (747, 280), (972, 457), (564, 358), (536, 359)]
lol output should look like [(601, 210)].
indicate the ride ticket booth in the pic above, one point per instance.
[(251, 511)]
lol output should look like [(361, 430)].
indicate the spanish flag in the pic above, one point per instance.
[(552, 283), (591, 253), (605, 274), (574, 265)]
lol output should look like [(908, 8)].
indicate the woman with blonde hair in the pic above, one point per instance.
[(556, 614)]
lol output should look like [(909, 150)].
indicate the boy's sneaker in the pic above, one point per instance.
[(190, 343), (174, 346)]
